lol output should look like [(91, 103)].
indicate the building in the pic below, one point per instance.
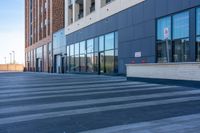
[(101, 36), (42, 19)]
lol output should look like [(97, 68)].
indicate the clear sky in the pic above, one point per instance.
[(12, 29)]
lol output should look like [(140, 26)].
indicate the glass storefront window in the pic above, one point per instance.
[(198, 35), (82, 47), (96, 62), (198, 21), (72, 49), (90, 62), (109, 61), (181, 25), (181, 37), (161, 25), (96, 44), (76, 48), (116, 40), (162, 51), (198, 50), (93, 56), (178, 45), (68, 59), (76, 66), (181, 50), (162, 42), (109, 41), (90, 46), (101, 43), (72, 63), (82, 63), (116, 61)]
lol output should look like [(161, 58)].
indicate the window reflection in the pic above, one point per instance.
[(198, 36), (176, 46), (162, 24), (92, 55), (198, 49), (101, 43), (181, 25), (90, 62), (82, 63), (198, 21), (90, 46), (181, 50), (109, 41), (109, 61)]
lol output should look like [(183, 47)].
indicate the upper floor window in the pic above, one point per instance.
[(105, 2), (181, 25)]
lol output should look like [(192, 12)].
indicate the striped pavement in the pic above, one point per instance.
[(53, 103)]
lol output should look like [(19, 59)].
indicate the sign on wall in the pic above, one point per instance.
[(166, 33), (138, 54)]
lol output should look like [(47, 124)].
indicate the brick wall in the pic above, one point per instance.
[(50, 16), (58, 14)]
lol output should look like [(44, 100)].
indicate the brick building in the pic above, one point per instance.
[(42, 19)]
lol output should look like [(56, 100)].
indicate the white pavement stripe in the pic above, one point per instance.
[(39, 116), (146, 127), (94, 101), (72, 90), (42, 80), (10, 91), (72, 83), (84, 94)]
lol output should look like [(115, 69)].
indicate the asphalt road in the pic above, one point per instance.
[(53, 103)]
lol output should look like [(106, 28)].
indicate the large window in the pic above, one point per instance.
[(90, 59), (198, 49), (173, 38), (72, 62), (162, 42), (68, 59), (109, 61), (181, 25), (98, 55), (198, 21), (82, 56), (109, 41), (76, 57), (181, 37), (198, 35)]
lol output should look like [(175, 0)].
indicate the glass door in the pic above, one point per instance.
[(101, 62), (181, 50)]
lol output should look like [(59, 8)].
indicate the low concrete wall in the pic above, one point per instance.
[(12, 67), (174, 71)]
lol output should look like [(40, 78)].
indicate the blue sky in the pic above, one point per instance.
[(12, 29)]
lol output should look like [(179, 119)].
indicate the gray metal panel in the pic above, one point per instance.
[(136, 27)]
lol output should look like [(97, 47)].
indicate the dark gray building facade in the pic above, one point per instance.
[(138, 37)]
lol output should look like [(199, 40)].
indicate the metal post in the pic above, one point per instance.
[(167, 50), (5, 59), (10, 58), (13, 57)]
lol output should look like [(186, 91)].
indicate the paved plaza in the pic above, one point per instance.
[(53, 103)]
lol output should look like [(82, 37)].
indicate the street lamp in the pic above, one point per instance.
[(13, 57), (10, 58), (5, 59)]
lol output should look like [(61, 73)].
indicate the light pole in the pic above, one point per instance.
[(13, 57), (5, 59), (10, 58)]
